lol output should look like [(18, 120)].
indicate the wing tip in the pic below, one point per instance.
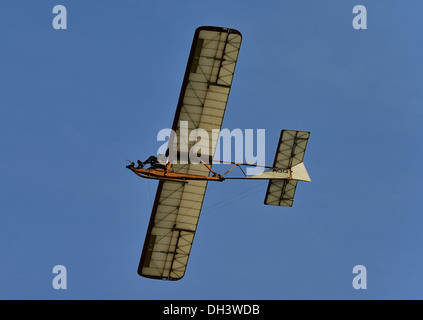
[(140, 273), (219, 29)]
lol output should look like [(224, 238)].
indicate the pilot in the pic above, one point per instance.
[(152, 161)]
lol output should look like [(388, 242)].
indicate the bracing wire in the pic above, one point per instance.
[(237, 197)]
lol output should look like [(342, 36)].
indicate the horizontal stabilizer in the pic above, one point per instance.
[(281, 193), (289, 158)]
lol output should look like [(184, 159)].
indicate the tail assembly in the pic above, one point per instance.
[(288, 168)]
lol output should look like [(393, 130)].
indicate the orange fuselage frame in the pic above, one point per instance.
[(163, 173)]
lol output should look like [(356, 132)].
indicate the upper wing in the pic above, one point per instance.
[(202, 104), (290, 152), (206, 86)]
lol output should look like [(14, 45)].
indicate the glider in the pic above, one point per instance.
[(181, 189)]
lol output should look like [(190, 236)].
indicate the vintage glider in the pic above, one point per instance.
[(181, 189)]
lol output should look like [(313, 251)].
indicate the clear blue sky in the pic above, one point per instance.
[(75, 103)]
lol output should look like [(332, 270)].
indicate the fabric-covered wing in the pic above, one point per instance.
[(290, 152), (202, 104), (206, 87)]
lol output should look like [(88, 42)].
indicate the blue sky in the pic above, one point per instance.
[(76, 103)]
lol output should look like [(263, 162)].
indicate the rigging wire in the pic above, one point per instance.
[(237, 197)]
